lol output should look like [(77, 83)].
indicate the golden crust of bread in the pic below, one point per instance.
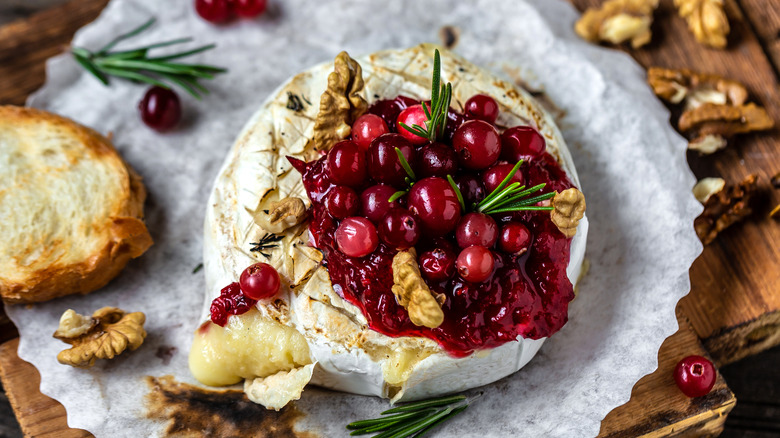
[(71, 210)]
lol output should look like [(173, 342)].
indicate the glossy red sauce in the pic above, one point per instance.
[(527, 295)]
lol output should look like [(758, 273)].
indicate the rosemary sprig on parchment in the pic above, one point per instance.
[(441, 95), (137, 65), (412, 419)]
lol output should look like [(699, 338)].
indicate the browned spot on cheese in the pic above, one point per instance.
[(195, 412)]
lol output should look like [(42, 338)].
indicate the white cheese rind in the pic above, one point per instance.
[(349, 356)]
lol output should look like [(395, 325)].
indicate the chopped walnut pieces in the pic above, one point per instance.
[(412, 293), (569, 208), (706, 19), (707, 187), (617, 21), (714, 107), (725, 208), (282, 215), (695, 88), (340, 104), (108, 333)]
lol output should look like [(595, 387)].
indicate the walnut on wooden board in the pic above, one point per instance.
[(707, 21), (568, 210), (676, 86), (413, 293), (714, 110), (707, 187), (725, 208), (618, 21), (108, 333), (341, 103)]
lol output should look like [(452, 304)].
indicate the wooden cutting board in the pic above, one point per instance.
[(734, 305)]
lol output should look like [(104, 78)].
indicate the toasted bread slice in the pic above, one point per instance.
[(71, 210)]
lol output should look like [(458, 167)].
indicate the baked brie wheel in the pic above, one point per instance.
[(420, 251)]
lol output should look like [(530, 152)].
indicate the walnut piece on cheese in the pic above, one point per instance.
[(707, 21), (412, 293), (108, 333), (725, 208), (282, 215), (341, 104), (569, 209), (617, 21)]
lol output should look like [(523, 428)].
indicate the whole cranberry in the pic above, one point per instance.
[(521, 142), (515, 238), (493, 177), (215, 11), (476, 229), (366, 128), (436, 204), (481, 107), (374, 203), (259, 281), (160, 109), (475, 264), (341, 202), (436, 159), (477, 143), (383, 163), (356, 237), (399, 229), (695, 376), (414, 115), (347, 164), (249, 8), (437, 264), (471, 188)]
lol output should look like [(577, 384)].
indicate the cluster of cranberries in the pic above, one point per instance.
[(257, 282), (367, 172), (220, 11)]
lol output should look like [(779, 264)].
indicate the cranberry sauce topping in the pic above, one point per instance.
[(231, 301), (526, 295)]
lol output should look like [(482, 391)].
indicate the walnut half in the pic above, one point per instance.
[(412, 293), (724, 208), (707, 20), (108, 333), (569, 209), (340, 104), (282, 215), (617, 21)]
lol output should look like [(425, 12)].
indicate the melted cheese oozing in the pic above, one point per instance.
[(249, 346)]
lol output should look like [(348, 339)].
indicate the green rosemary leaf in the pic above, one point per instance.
[(134, 76), (129, 54), (426, 110), (458, 193), (454, 412), (166, 43), (501, 186), (192, 87), (436, 77), (519, 193), (526, 208), (90, 67), (497, 197), (125, 36), (183, 54), (397, 195), (197, 268), (441, 401), (416, 129), (387, 419), (417, 426), (405, 164)]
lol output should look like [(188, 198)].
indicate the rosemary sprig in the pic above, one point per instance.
[(267, 242), (441, 95), (137, 65), (412, 419), (509, 198), (410, 179), (457, 193)]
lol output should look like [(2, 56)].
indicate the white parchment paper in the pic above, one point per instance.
[(631, 163)]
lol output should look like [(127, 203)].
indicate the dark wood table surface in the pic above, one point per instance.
[(755, 380)]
